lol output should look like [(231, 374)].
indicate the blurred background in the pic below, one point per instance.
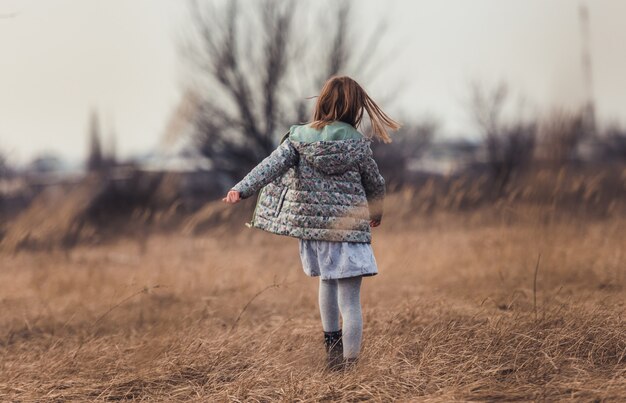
[(122, 115)]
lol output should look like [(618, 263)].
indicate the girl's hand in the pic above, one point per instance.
[(232, 197), (374, 223)]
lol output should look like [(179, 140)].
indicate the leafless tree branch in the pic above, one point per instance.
[(509, 143), (255, 68)]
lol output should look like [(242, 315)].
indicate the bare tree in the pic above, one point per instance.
[(560, 134), (255, 67), (4, 165), (509, 143)]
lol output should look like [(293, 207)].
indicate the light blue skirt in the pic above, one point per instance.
[(332, 260)]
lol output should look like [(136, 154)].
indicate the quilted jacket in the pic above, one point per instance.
[(319, 185)]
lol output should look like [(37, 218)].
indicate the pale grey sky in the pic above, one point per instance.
[(61, 58)]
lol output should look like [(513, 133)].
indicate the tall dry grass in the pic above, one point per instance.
[(459, 311)]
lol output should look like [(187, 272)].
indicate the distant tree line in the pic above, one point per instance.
[(514, 143)]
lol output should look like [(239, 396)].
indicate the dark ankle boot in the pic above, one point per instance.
[(334, 349)]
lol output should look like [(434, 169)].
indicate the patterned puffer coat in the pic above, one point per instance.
[(319, 185)]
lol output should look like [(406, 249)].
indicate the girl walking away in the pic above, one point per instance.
[(322, 185)]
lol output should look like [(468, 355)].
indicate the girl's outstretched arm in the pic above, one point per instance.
[(274, 165)]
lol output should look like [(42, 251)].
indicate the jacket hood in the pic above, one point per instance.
[(335, 156), (332, 150)]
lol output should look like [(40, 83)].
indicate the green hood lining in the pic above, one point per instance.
[(331, 132)]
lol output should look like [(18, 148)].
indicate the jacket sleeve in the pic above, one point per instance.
[(374, 185), (273, 166)]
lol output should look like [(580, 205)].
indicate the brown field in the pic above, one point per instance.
[(459, 311)]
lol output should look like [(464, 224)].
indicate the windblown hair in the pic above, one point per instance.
[(343, 99)]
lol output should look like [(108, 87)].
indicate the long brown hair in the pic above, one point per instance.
[(343, 99)]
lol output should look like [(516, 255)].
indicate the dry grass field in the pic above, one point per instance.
[(460, 311)]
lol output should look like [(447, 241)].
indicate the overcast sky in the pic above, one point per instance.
[(62, 58)]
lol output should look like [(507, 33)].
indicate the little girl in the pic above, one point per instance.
[(322, 185)]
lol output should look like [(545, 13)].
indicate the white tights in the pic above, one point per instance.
[(343, 296)]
